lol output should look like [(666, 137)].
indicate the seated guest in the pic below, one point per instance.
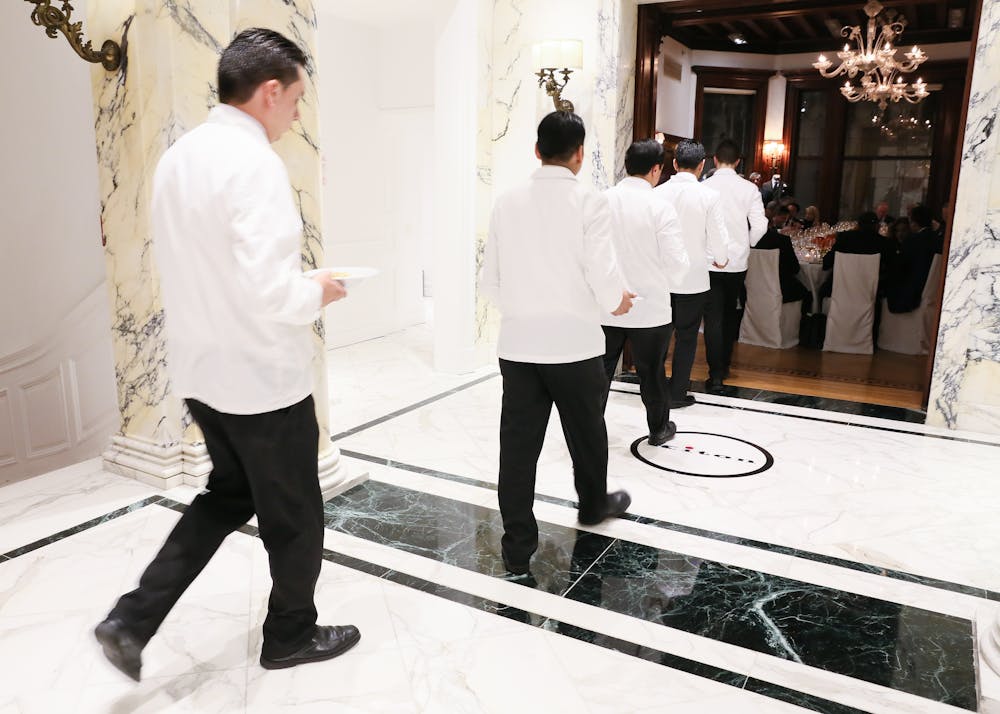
[(864, 241), (811, 217), (882, 213), (913, 262), (794, 212), (770, 209), (788, 264)]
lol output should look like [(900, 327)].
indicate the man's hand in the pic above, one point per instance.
[(626, 304), (720, 267), (332, 289)]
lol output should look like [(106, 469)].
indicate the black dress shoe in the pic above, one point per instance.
[(714, 385), (121, 647), (663, 435), (685, 401), (618, 503), (326, 643), (515, 568)]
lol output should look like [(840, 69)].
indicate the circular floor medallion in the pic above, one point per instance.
[(696, 453)]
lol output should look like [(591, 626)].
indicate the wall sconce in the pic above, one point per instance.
[(562, 56), (56, 20), (773, 151)]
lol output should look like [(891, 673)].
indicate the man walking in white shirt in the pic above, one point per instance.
[(238, 315), (550, 267), (703, 229), (745, 224), (650, 251)]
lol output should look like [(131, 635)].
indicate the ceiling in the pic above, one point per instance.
[(789, 26)]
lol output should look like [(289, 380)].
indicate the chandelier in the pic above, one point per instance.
[(875, 60)]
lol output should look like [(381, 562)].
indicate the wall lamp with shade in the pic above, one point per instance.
[(557, 56), (773, 151)]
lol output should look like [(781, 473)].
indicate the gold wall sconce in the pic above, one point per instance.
[(56, 20), (562, 57), (773, 151)]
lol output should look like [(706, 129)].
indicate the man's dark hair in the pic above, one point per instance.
[(921, 216), (689, 154), (727, 152), (868, 220), (782, 211), (642, 156), (560, 134), (256, 56)]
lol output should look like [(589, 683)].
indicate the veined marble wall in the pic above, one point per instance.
[(166, 87), (511, 104), (965, 391)]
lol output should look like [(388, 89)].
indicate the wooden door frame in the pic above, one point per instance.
[(755, 80)]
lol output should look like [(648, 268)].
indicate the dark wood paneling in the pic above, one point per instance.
[(730, 78), (650, 34)]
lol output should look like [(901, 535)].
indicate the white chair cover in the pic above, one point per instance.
[(852, 305), (909, 333), (767, 322)]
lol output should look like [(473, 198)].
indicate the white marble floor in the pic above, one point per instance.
[(839, 498)]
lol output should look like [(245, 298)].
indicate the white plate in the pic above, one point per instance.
[(349, 275)]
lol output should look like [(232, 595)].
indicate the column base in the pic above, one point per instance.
[(168, 466)]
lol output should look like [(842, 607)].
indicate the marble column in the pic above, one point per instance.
[(165, 87), (965, 391), (512, 104)]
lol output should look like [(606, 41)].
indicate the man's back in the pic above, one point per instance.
[(744, 213), (649, 249), (550, 267), (702, 228), (226, 235)]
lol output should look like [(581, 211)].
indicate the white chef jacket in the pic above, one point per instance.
[(650, 251), (743, 210), (227, 236), (550, 267), (703, 228)]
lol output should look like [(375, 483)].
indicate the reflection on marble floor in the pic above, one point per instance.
[(917, 651), (723, 613)]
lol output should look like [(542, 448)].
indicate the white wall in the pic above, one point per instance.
[(57, 391), (50, 233), (376, 118)]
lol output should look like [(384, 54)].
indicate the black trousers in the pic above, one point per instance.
[(649, 351), (263, 464), (578, 391), (688, 311), (722, 320)]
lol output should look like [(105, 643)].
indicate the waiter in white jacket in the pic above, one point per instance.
[(743, 210), (550, 267), (650, 250), (705, 240)]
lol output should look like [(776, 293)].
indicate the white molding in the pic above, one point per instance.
[(7, 459), (95, 301), (335, 477), (54, 375), (76, 358)]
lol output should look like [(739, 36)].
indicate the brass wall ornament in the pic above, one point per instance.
[(553, 87), (55, 20)]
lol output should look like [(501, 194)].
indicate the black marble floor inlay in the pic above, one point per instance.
[(704, 533), (909, 649), (665, 659)]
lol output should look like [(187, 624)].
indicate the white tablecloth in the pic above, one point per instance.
[(813, 276)]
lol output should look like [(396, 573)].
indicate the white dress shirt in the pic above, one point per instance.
[(703, 228), (651, 254), (743, 210), (226, 233), (550, 268)]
